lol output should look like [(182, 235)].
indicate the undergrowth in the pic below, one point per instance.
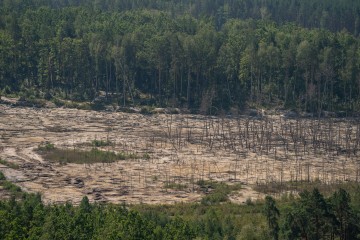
[(216, 192)]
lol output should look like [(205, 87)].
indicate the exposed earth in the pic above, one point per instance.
[(183, 149)]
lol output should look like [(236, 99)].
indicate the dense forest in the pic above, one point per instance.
[(312, 216), (201, 55)]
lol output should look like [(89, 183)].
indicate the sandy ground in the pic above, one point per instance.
[(183, 149)]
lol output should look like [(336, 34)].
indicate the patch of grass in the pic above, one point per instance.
[(9, 164), (216, 192), (95, 155), (175, 186), (46, 146), (101, 143)]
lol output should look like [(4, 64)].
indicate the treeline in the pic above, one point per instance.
[(329, 14), (152, 57), (311, 216)]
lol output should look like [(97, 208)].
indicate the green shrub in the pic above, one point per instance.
[(2, 176), (249, 202), (216, 192), (146, 156)]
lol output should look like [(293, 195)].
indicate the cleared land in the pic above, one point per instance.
[(171, 153)]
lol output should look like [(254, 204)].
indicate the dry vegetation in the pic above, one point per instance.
[(161, 158)]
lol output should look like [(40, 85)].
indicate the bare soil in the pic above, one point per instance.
[(183, 149)]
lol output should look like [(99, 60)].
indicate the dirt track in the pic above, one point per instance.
[(183, 149)]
